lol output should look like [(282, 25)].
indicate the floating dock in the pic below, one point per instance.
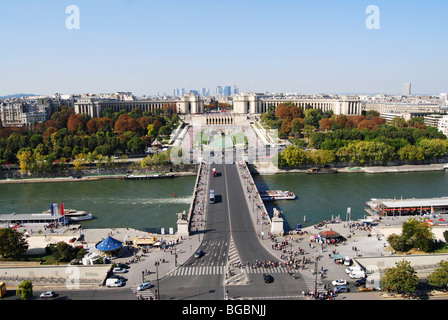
[(394, 207)]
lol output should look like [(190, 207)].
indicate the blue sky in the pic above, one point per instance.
[(150, 46)]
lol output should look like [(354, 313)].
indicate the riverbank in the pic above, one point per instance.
[(370, 170), (89, 178), (260, 170)]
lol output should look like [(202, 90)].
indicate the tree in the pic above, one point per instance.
[(288, 111), (12, 243), (293, 156), (415, 234), (79, 162), (411, 153), (401, 279), (126, 123), (75, 122), (326, 123), (25, 288), (439, 278), (26, 159)]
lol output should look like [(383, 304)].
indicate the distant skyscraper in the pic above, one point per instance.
[(227, 91), (219, 91), (204, 92), (407, 89)]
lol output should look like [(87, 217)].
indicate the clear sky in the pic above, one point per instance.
[(146, 46)]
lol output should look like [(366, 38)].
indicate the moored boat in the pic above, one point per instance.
[(325, 170), (74, 215), (271, 195)]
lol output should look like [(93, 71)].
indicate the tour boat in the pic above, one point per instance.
[(74, 215), (271, 195)]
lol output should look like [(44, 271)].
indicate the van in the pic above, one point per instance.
[(352, 269), (357, 274), (112, 282)]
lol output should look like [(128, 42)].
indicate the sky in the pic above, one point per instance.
[(149, 47)]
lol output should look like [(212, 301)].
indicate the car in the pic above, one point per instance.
[(144, 286), (341, 289), (360, 282), (119, 270), (268, 278), (116, 276), (365, 289), (123, 265), (339, 282), (198, 254), (48, 294), (72, 240)]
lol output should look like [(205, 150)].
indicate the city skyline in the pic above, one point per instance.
[(147, 47)]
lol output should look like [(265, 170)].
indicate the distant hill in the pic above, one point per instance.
[(18, 95)]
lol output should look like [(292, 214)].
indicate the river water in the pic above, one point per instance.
[(152, 204)]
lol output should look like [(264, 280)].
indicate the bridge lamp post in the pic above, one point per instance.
[(158, 288), (316, 257)]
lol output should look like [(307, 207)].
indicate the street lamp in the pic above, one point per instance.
[(157, 271), (316, 257)]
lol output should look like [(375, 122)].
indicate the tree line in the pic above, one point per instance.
[(55, 142), (324, 138)]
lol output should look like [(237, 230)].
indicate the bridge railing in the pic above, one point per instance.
[(197, 189), (256, 205)]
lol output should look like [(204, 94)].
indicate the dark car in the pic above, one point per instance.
[(360, 282), (268, 278), (122, 265)]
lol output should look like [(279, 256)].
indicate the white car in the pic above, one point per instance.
[(144, 286), (339, 282), (48, 294), (119, 270)]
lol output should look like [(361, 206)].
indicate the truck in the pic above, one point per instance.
[(214, 173), (357, 274), (352, 269)]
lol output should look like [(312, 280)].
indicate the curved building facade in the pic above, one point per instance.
[(252, 103)]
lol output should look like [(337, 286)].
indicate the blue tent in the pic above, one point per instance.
[(109, 244)]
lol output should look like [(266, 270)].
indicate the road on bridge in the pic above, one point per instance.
[(229, 237)]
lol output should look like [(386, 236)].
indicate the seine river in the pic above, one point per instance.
[(153, 204)]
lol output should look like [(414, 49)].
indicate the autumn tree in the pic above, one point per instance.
[(326, 123), (74, 122), (288, 111), (100, 124), (126, 123)]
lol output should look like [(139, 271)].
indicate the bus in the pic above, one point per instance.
[(212, 196), (2, 289)]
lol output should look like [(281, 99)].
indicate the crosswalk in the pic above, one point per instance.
[(217, 270), (199, 271), (310, 280), (145, 294)]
